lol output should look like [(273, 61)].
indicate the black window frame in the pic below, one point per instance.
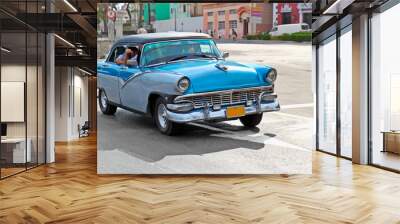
[(334, 33)]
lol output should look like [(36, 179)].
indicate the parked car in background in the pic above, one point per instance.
[(183, 77), (289, 29)]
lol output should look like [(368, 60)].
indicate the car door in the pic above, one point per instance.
[(109, 77), (131, 89)]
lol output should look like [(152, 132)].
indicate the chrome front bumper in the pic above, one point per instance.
[(208, 113)]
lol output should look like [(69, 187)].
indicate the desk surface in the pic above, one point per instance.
[(13, 140), (390, 132)]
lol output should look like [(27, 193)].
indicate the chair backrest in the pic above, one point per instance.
[(86, 125)]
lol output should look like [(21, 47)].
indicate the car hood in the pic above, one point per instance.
[(213, 75)]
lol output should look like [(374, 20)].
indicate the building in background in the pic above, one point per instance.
[(236, 20), (182, 17), (289, 13), (156, 12)]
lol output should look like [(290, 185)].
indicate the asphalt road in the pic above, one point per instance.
[(293, 63), (129, 143)]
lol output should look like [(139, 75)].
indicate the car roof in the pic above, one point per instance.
[(154, 37)]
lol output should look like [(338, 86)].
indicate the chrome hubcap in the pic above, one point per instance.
[(162, 116), (103, 99)]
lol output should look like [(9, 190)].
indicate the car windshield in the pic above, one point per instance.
[(166, 51)]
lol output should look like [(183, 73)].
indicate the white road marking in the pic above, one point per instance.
[(301, 105), (253, 137), (294, 116)]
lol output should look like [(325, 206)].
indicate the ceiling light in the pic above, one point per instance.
[(70, 5), (5, 50), (86, 72), (64, 40)]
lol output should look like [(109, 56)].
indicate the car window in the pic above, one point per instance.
[(160, 52), (115, 53), (138, 51)]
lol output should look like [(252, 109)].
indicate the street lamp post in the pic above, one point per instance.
[(174, 12), (149, 13)]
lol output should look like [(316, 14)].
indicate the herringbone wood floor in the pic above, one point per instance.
[(70, 191)]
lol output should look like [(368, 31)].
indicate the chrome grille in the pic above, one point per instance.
[(223, 98)]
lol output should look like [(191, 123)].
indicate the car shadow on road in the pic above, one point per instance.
[(137, 136), (232, 128)]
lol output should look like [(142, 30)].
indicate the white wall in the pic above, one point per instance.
[(190, 24), (80, 109), (16, 73), (71, 103), (13, 101), (61, 103), (33, 125)]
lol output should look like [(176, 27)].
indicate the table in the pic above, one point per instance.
[(19, 154), (391, 141)]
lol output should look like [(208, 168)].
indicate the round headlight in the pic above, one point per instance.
[(271, 75), (183, 84)]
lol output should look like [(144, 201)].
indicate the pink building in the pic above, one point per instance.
[(289, 13), (235, 20)]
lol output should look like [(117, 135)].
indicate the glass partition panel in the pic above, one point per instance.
[(32, 97), (22, 77), (15, 151), (41, 98), (327, 95), (346, 92), (385, 85)]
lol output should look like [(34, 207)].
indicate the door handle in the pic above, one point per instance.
[(123, 68), (105, 66)]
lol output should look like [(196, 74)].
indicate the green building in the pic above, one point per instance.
[(158, 11), (165, 11)]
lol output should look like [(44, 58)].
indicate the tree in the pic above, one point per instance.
[(102, 14), (129, 12)]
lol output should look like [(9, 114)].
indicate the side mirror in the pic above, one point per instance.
[(225, 55)]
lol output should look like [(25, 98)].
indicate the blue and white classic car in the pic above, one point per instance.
[(182, 77)]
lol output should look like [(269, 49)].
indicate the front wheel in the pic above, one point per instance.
[(251, 120), (105, 106), (165, 126)]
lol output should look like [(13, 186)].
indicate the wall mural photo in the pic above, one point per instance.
[(204, 88)]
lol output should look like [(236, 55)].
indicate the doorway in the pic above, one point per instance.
[(245, 27)]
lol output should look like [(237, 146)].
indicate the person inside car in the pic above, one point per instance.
[(129, 57)]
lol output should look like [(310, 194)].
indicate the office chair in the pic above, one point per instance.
[(84, 130)]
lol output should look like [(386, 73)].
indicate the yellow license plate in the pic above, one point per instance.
[(237, 111)]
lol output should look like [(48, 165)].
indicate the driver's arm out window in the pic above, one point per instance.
[(115, 53)]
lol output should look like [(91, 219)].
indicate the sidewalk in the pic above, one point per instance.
[(244, 41)]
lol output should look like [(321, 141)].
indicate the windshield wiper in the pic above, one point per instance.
[(177, 58), (192, 55), (205, 56)]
